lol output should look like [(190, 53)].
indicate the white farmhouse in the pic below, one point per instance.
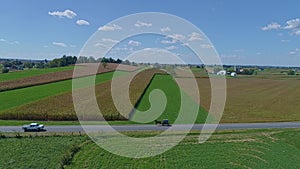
[(232, 74), (222, 72)]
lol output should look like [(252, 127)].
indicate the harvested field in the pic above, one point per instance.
[(256, 99), (60, 107), (85, 70)]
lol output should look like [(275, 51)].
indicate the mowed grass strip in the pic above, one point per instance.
[(225, 149), (169, 87), (60, 107), (31, 72), (14, 98)]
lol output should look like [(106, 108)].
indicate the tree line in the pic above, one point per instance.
[(58, 62)]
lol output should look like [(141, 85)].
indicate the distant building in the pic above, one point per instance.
[(232, 74), (222, 72)]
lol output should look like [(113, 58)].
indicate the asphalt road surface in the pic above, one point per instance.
[(105, 128)]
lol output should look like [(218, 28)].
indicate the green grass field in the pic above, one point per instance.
[(172, 92), (226, 149), (14, 98), (267, 148), (38, 152), (31, 72)]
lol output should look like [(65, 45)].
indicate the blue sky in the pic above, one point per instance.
[(243, 32)]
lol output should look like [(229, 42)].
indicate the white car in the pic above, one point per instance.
[(34, 127)]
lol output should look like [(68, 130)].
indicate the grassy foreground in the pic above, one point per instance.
[(276, 148)]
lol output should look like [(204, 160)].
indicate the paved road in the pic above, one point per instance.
[(105, 128)]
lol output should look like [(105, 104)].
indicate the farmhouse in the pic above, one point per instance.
[(232, 74), (222, 72)]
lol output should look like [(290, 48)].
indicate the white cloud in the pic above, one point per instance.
[(195, 36), (142, 24), (297, 32), (59, 44), (177, 37), (271, 26), (165, 29), (14, 43), (67, 13), (171, 47), (108, 40), (172, 39), (82, 22), (238, 50), (206, 46), (285, 40), (98, 44), (9, 42), (296, 51), (292, 24), (231, 56), (168, 41), (73, 46), (185, 44), (134, 43), (112, 27)]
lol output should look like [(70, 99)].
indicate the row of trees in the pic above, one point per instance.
[(84, 59), (58, 62)]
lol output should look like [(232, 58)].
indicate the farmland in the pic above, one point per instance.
[(166, 84), (276, 148), (23, 96), (250, 99), (31, 72), (256, 99), (82, 71), (59, 106)]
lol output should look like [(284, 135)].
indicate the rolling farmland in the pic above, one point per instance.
[(14, 98), (256, 99), (85, 70), (60, 106), (31, 72), (249, 99)]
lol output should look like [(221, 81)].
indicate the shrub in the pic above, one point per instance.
[(291, 72), (5, 70)]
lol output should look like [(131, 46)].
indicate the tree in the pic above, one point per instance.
[(104, 64), (104, 60), (126, 62), (5, 70), (291, 72), (82, 59), (28, 65), (91, 60)]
